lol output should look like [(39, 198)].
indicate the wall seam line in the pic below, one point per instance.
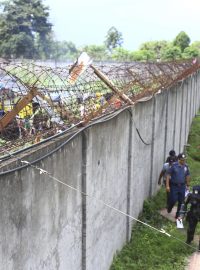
[(152, 147), (129, 176), (84, 200)]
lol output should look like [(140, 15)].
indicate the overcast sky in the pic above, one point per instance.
[(86, 22)]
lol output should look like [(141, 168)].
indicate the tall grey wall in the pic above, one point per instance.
[(46, 224)]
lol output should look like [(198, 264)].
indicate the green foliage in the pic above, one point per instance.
[(150, 250), (120, 54), (96, 52), (143, 55), (136, 89), (63, 50), (182, 41), (171, 53), (21, 21), (194, 140), (18, 45), (196, 45), (113, 39), (190, 52), (156, 47), (26, 33)]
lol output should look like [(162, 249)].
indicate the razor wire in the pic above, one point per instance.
[(52, 100)]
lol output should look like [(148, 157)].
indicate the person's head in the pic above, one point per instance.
[(172, 153), (181, 158), (196, 189)]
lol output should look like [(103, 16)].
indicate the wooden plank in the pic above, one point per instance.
[(105, 79), (9, 116)]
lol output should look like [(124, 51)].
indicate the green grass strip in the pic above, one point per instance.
[(149, 250)]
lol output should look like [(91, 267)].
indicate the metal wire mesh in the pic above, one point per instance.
[(37, 102)]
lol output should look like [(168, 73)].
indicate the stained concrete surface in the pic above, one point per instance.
[(48, 226)]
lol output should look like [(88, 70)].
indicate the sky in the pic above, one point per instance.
[(86, 22)]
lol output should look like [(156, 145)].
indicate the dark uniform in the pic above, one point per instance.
[(172, 155), (193, 215), (178, 174)]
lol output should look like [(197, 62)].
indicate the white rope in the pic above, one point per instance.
[(42, 171)]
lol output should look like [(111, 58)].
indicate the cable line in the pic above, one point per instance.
[(42, 171)]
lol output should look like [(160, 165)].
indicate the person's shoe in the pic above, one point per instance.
[(188, 242), (169, 210)]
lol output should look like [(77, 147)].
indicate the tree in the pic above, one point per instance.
[(96, 52), (143, 55), (121, 54), (24, 28), (171, 53), (155, 47), (196, 45), (63, 50), (113, 39), (190, 52), (182, 41)]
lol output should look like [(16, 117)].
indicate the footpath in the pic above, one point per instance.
[(194, 259)]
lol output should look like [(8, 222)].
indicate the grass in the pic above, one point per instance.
[(150, 250)]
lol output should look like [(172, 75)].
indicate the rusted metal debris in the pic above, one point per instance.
[(38, 101)]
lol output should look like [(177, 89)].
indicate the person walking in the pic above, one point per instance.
[(172, 154), (177, 180), (163, 174), (193, 215), (165, 169)]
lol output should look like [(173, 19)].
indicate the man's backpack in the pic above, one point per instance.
[(194, 200)]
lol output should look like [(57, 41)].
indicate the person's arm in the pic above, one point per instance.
[(188, 181), (187, 178), (160, 176), (188, 199), (167, 183)]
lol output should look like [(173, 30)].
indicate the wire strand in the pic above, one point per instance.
[(42, 171)]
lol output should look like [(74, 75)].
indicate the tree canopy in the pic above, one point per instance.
[(172, 53), (156, 48), (182, 41), (24, 28), (114, 39), (25, 32), (97, 52)]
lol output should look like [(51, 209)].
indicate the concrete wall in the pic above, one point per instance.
[(41, 220), (48, 225)]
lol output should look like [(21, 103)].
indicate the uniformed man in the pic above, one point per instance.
[(177, 180), (172, 154), (193, 215), (164, 170), (163, 174)]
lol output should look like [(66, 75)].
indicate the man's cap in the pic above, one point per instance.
[(181, 156), (172, 153), (196, 189)]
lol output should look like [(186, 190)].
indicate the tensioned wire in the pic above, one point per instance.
[(42, 171)]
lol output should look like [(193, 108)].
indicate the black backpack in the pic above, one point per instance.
[(194, 200)]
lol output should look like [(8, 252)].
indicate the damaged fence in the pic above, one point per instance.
[(37, 102)]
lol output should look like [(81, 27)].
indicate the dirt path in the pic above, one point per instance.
[(194, 260)]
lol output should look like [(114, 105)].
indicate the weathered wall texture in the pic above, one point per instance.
[(47, 225)]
